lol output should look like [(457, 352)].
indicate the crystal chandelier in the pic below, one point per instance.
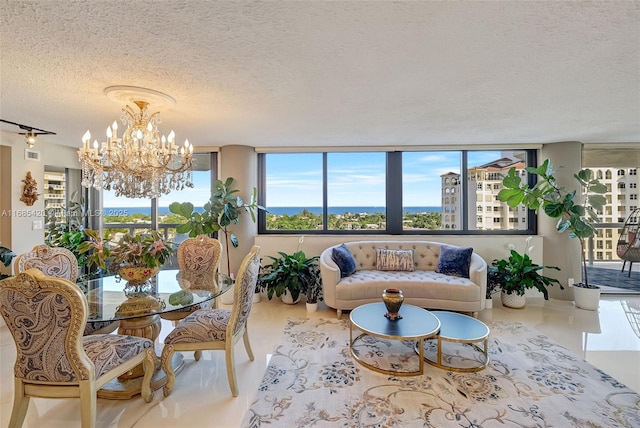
[(141, 164)]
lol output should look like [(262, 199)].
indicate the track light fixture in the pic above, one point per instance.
[(30, 139), (30, 132)]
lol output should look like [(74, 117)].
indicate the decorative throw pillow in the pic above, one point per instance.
[(399, 260), (344, 259), (454, 261)]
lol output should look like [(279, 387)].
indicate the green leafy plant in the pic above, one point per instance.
[(518, 273), (222, 210), (557, 202), (69, 233), (295, 273), (6, 255), (142, 250)]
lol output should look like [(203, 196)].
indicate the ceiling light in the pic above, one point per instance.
[(30, 132), (142, 163), (30, 139)]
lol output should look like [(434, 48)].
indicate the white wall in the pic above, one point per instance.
[(23, 236)]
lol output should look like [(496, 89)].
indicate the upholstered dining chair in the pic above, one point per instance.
[(217, 329), (199, 256), (59, 262), (46, 317), (52, 261)]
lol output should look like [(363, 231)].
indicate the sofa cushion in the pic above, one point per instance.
[(454, 261), (344, 259), (395, 260), (369, 284)]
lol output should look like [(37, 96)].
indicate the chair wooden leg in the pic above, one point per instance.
[(20, 404), (247, 345), (339, 311), (167, 356), (624, 262), (231, 367), (88, 404), (149, 368), (630, 267)]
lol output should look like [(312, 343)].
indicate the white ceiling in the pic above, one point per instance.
[(272, 74)]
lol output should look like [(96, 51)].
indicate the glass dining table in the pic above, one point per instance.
[(139, 310)]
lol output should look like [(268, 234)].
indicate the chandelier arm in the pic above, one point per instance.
[(139, 164)]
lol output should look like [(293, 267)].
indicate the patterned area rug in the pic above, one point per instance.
[(614, 278), (313, 381)]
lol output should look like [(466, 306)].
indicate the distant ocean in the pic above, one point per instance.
[(125, 211)]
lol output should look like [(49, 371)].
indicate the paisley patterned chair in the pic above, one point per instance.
[(46, 317), (217, 328), (59, 263), (52, 261), (197, 257)]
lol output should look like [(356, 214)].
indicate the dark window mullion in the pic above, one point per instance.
[(394, 193), (464, 221), (325, 193)]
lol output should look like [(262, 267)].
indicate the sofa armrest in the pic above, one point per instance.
[(478, 274), (330, 274)]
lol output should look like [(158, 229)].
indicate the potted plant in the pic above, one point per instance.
[(223, 209), (290, 275), (314, 294), (517, 274), (135, 258), (6, 256), (557, 202), (493, 286)]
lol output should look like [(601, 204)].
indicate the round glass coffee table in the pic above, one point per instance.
[(459, 328), (416, 324)]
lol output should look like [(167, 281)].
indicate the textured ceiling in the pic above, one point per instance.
[(273, 74)]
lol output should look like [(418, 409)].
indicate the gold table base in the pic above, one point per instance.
[(130, 384), (438, 362), (419, 346)]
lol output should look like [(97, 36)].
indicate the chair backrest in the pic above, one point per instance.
[(244, 289), (46, 317), (630, 234), (201, 254), (52, 261)]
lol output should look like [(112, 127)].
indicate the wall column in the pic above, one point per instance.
[(241, 163), (559, 249)]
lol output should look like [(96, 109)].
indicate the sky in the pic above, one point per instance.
[(354, 180)]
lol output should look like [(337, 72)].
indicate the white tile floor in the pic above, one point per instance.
[(201, 397)]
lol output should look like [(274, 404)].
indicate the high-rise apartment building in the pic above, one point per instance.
[(486, 212), (623, 190)]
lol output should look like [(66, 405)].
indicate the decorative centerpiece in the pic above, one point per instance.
[(134, 258), (393, 298)]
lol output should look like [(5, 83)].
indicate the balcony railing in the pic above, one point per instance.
[(164, 230)]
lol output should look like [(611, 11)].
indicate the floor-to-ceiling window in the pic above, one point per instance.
[(409, 192), (121, 215)]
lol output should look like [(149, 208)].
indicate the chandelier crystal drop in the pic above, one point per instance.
[(141, 164)]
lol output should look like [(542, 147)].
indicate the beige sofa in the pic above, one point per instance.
[(422, 287)]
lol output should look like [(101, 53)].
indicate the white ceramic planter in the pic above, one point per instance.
[(256, 297), (512, 300), (488, 304), (287, 299), (586, 298), (312, 307)]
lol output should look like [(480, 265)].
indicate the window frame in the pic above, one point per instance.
[(394, 207)]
